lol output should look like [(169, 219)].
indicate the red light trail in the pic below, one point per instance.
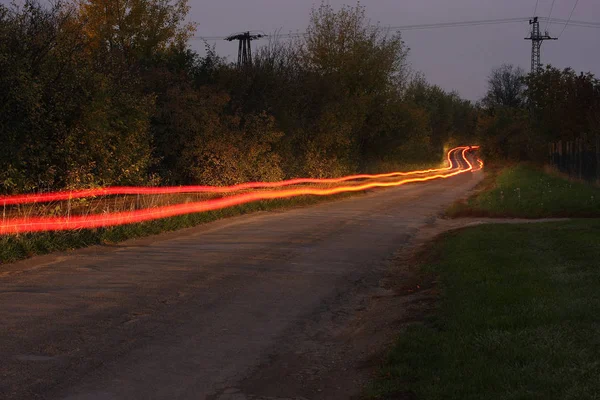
[(141, 190), (41, 224)]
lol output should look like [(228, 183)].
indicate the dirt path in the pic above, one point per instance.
[(286, 305)]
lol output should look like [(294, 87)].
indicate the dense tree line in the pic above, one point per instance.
[(522, 113), (109, 93)]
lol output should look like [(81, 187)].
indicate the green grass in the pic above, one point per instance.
[(18, 247), (519, 318), (527, 192)]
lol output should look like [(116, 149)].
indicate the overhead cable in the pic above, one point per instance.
[(569, 22), (550, 15)]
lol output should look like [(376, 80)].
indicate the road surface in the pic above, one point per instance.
[(202, 313)]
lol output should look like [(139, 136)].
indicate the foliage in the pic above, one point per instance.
[(507, 134), (505, 88), (126, 34), (96, 93), (65, 122), (356, 67), (522, 114), (566, 104), (451, 120), (233, 151)]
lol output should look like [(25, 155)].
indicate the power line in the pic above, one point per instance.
[(569, 20), (406, 27), (458, 24), (550, 15), (582, 24), (585, 22)]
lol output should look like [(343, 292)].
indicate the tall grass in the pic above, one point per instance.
[(18, 247)]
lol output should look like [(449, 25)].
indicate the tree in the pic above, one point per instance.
[(343, 45), (450, 118), (128, 33), (43, 88), (352, 69), (105, 92), (74, 110), (507, 134), (506, 88), (566, 104)]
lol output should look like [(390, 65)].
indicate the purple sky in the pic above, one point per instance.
[(454, 58)]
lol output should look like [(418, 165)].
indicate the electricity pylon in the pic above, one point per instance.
[(536, 44), (245, 49)]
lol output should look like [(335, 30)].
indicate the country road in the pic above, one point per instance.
[(228, 310)]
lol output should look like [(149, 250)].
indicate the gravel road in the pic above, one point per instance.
[(262, 306)]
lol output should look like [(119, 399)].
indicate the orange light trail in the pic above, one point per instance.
[(481, 164), (39, 224), (141, 190)]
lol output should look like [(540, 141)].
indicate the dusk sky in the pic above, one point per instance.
[(454, 58)]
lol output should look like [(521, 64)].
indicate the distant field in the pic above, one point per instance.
[(527, 192), (518, 318)]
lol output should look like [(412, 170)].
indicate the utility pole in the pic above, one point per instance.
[(245, 48), (536, 44)]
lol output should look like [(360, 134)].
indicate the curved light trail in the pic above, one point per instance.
[(143, 190), (481, 164), (41, 224)]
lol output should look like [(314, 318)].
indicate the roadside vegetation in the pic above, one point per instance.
[(526, 191), (99, 93), (18, 247), (517, 318), (522, 114)]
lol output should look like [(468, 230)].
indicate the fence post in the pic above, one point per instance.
[(561, 159), (598, 158), (570, 157), (580, 159), (574, 158), (566, 157), (586, 162)]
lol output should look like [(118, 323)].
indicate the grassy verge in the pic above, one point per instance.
[(518, 318), (523, 191), (18, 247)]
